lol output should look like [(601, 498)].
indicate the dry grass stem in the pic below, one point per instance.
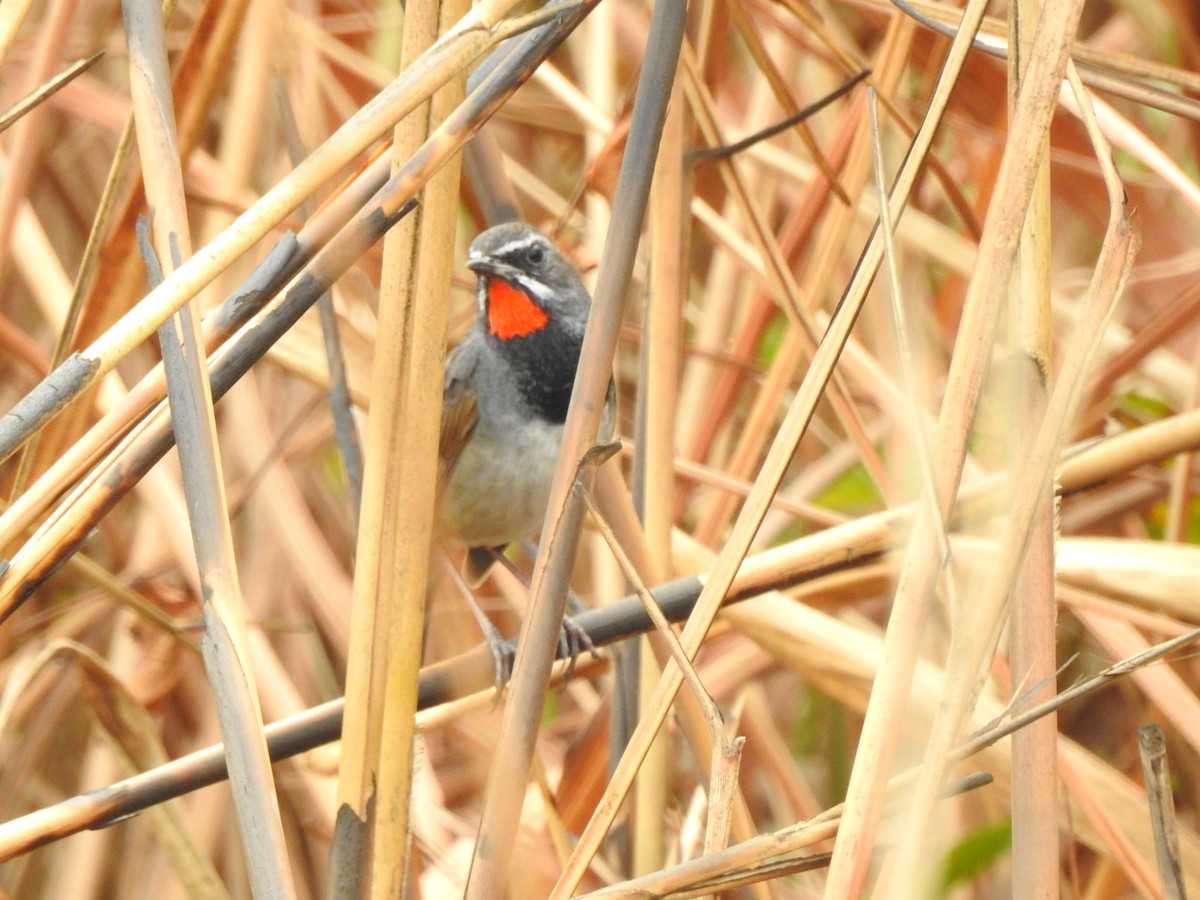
[(924, 562), (225, 644), (906, 436), (1162, 810)]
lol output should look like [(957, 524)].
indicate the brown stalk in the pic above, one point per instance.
[(653, 476), (613, 500), (725, 749), (726, 568), (718, 398), (1121, 74), (110, 275), (11, 18), (1035, 483), (375, 781), (29, 133), (783, 94), (1124, 860), (225, 648), (86, 451), (340, 405), (1179, 502), (924, 561), (792, 672), (850, 62), (792, 300), (1033, 614), (827, 255)]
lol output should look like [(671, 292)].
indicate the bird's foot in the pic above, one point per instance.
[(572, 641), (503, 654)]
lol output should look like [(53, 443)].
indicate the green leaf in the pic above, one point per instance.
[(976, 853)]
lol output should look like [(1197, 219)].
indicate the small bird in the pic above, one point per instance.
[(507, 388)]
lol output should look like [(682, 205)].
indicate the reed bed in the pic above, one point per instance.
[(892, 572)]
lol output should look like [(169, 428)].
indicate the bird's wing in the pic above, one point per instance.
[(459, 410)]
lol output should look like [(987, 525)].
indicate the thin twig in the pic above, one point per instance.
[(1162, 810), (700, 155), (43, 93)]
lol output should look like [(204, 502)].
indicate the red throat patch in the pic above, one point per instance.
[(511, 314)]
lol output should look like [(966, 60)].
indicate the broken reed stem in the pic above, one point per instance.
[(224, 645)]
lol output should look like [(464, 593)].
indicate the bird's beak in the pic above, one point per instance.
[(481, 265), (486, 265)]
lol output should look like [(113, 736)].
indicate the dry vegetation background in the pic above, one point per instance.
[(101, 674)]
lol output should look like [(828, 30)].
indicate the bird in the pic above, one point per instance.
[(507, 388)]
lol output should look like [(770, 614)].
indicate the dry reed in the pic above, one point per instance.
[(910, 377)]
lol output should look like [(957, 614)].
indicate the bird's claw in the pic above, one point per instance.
[(572, 641)]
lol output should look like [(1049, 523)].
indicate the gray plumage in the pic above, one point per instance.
[(506, 397)]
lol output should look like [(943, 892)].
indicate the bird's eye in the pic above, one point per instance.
[(535, 255)]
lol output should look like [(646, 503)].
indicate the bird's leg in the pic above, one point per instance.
[(573, 640), (479, 562), (502, 652)]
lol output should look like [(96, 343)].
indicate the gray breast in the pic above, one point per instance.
[(500, 486)]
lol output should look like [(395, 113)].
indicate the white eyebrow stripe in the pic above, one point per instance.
[(521, 244)]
